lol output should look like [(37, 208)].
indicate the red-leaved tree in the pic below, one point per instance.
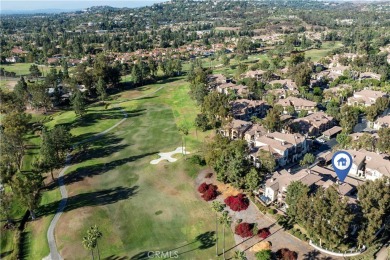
[(203, 187), (211, 193), (286, 254), (237, 203), (264, 233), (244, 229)]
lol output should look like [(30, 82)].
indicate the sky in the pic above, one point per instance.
[(69, 4)]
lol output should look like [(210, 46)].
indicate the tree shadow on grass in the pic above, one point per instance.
[(114, 257), (206, 241), (97, 169), (4, 254), (24, 245), (312, 255), (89, 199)]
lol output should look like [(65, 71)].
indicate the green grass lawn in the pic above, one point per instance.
[(138, 206), (18, 68), (317, 54)]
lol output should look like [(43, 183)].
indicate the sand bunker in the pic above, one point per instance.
[(168, 156)]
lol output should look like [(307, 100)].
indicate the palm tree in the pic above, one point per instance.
[(239, 255), (89, 244), (184, 130), (95, 234), (217, 207), (225, 220)]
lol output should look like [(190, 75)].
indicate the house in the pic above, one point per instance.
[(235, 129), (332, 132), (12, 59), (312, 125), (365, 97), (254, 131), (286, 148), (254, 74), (298, 104), (382, 122), (369, 165), (230, 88), (216, 79), (285, 84), (244, 109), (370, 75), (276, 187)]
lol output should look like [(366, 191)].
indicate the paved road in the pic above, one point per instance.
[(279, 238), (54, 254)]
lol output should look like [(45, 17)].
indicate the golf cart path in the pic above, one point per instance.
[(54, 254)]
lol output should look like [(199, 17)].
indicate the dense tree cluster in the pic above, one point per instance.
[(328, 217)]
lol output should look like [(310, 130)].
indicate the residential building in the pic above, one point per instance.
[(382, 122), (369, 165), (235, 129), (365, 97), (244, 109), (286, 148), (312, 125), (298, 104), (332, 132), (254, 131)]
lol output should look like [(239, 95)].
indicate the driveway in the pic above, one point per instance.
[(279, 238)]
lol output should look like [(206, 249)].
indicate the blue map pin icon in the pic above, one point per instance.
[(342, 163)]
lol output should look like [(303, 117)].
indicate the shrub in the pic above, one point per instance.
[(263, 255), (197, 159), (203, 187), (239, 220), (211, 193), (286, 254), (264, 233), (209, 175), (244, 230), (272, 211), (237, 203)]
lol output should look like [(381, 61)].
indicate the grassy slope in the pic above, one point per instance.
[(316, 54), (163, 212), (174, 215)]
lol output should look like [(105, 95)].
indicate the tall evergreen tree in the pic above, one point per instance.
[(78, 103)]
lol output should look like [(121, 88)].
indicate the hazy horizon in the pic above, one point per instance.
[(69, 5)]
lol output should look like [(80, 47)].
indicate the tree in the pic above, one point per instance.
[(295, 192), (217, 207), (237, 203), (272, 121), (307, 160), (374, 202), (201, 122), (244, 230), (263, 255), (95, 234), (344, 140), (26, 187), (216, 107), (101, 89), (252, 179), (371, 113), (239, 255), (383, 143), (366, 141), (183, 128), (348, 118), (34, 71), (21, 91), (136, 75), (78, 103), (54, 148), (267, 161), (302, 113), (226, 221), (89, 244), (39, 97), (6, 205), (198, 92)]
